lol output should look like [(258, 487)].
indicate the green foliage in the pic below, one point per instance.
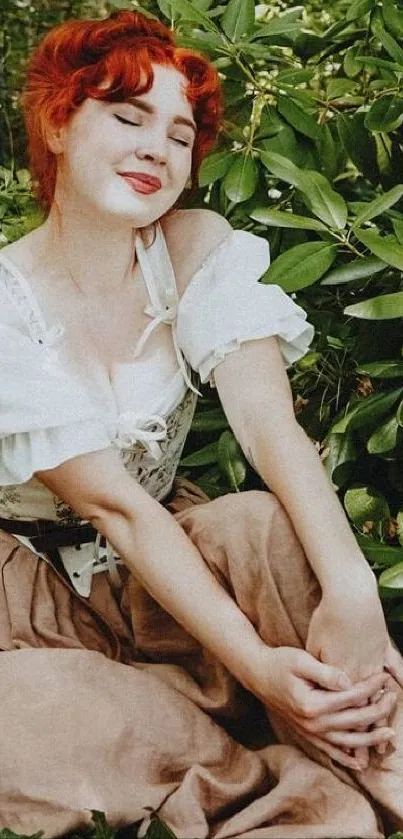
[(155, 829)]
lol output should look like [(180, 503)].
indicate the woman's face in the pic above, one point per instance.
[(130, 160)]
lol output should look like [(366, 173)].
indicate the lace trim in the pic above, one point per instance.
[(18, 292), (21, 297)]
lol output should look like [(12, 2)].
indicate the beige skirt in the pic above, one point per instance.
[(108, 704)]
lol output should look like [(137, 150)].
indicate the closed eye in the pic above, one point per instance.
[(181, 142), (125, 121)]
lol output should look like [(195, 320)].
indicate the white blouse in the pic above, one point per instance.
[(47, 416)]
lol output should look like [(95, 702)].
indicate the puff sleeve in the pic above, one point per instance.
[(45, 415), (224, 305)]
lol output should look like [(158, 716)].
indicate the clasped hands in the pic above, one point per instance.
[(339, 692)]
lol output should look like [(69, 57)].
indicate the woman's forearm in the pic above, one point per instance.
[(292, 469), (158, 552)]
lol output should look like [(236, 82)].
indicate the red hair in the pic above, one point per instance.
[(78, 56)]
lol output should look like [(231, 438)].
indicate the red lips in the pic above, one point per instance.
[(141, 182)]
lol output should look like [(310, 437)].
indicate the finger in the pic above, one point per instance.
[(328, 677), (334, 752), (381, 747), (327, 702), (394, 664), (358, 739), (389, 695), (355, 718), (361, 753)]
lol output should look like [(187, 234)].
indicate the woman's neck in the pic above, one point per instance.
[(96, 255)]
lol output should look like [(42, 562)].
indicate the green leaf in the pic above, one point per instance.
[(283, 168), (294, 77), (301, 265), (399, 415), (399, 521), (384, 438), (281, 27), (206, 42), (386, 114), (212, 488), (204, 5), (384, 307), (328, 153), (158, 829), (202, 457), (319, 196), (278, 218), (365, 503), (352, 68), (383, 64), (102, 830), (238, 19), (358, 143), (270, 122), (284, 143), (306, 98), (187, 10), (382, 369), (386, 248), (307, 44), (392, 577), (356, 270), (395, 615), (323, 201), (380, 555), (359, 8), (214, 167), (339, 87), (24, 178), (213, 420), (341, 455), (379, 205), (241, 179), (398, 228), (231, 460), (297, 117), (388, 42), (367, 411), (5, 833), (393, 18)]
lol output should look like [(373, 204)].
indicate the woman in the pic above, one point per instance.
[(105, 309)]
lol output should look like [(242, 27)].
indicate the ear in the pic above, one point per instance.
[(55, 138)]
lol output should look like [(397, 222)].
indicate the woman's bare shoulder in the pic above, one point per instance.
[(22, 252), (190, 236)]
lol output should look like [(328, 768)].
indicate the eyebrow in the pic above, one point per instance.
[(149, 109)]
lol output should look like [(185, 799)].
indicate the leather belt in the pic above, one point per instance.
[(46, 535)]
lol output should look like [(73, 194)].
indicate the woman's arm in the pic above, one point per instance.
[(156, 549), (348, 628), (158, 552)]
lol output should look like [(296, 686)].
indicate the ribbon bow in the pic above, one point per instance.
[(165, 315), (135, 428)]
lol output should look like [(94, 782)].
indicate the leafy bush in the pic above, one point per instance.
[(310, 157)]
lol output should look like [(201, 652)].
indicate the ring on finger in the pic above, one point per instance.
[(380, 694)]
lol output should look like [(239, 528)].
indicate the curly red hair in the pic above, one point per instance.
[(78, 56)]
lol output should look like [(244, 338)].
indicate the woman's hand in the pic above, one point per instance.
[(316, 700), (349, 631)]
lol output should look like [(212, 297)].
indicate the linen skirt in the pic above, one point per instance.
[(108, 704)]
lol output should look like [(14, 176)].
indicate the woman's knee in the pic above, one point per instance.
[(242, 528)]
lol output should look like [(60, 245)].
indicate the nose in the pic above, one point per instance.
[(153, 147)]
